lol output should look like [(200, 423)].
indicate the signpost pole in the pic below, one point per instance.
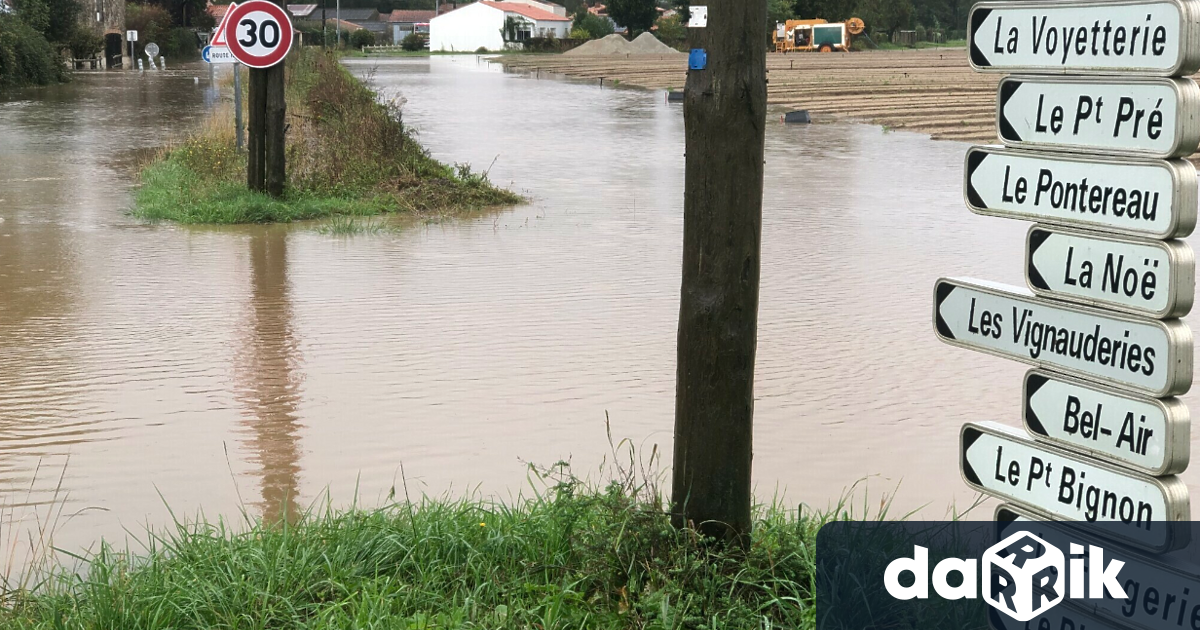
[(276, 127), (256, 159), (276, 114), (724, 117), (237, 107)]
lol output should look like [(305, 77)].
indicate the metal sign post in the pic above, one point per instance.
[(1093, 126)]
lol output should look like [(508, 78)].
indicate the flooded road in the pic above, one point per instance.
[(222, 369)]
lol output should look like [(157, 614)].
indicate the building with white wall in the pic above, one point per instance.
[(481, 25)]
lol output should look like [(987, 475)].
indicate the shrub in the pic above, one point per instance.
[(481, 50), (595, 25), (413, 42), (26, 58), (180, 43), (84, 44), (152, 23), (362, 37), (580, 33)]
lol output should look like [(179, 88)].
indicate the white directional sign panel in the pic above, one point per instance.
[(1005, 463), (1157, 38), (1149, 434), (1148, 198), (1138, 117), (1154, 357), (217, 54), (1154, 278), (1150, 581)]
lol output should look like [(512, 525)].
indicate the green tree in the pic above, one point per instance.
[(636, 15), (35, 13), (832, 10), (778, 11), (886, 15), (595, 25)]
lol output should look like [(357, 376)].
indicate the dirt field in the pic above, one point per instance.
[(930, 91)]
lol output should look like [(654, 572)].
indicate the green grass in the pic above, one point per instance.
[(342, 225), (347, 155), (572, 556)]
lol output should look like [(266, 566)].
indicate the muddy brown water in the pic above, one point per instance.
[(224, 369)]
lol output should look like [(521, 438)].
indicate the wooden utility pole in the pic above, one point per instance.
[(266, 167), (276, 126), (724, 118), (256, 146)]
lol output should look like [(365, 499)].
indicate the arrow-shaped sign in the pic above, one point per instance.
[(1154, 357), (1005, 463), (1155, 278), (1156, 38), (1138, 117), (1147, 434), (1148, 198), (1149, 580)]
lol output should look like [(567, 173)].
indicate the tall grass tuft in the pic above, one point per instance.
[(347, 154)]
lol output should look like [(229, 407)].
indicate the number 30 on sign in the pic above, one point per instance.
[(259, 33)]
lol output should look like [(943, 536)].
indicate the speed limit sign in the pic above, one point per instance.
[(258, 33)]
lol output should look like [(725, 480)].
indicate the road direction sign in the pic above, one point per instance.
[(258, 33), (1005, 463), (1150, 38), (1148, 434), (217, 54), (1150, 356), (1154, 278), (1148, 198), (1150, 581), (1138, 117)]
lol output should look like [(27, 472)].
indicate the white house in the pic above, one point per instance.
[(480, 25)]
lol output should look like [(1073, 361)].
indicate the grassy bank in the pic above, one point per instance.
[(347, 155), (573, 557)]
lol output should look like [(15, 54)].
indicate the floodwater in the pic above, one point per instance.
[(218, 370)]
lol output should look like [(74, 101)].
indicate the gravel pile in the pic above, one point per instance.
[(645, 44)]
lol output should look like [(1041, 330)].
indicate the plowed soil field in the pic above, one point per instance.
[(932, 91)]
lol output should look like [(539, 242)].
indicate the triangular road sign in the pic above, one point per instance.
[(219, 36)]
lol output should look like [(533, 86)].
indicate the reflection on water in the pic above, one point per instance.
[(268, 384), (253, 367)]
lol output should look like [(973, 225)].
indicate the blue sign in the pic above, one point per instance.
[(698, 59)]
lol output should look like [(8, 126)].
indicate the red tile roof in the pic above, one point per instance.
[(217, 10), (527, 11), (414, 16)]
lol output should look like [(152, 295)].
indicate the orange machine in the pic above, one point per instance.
[(816, 35)]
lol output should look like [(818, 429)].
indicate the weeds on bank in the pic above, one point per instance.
[(572, 555), (347, 155)]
